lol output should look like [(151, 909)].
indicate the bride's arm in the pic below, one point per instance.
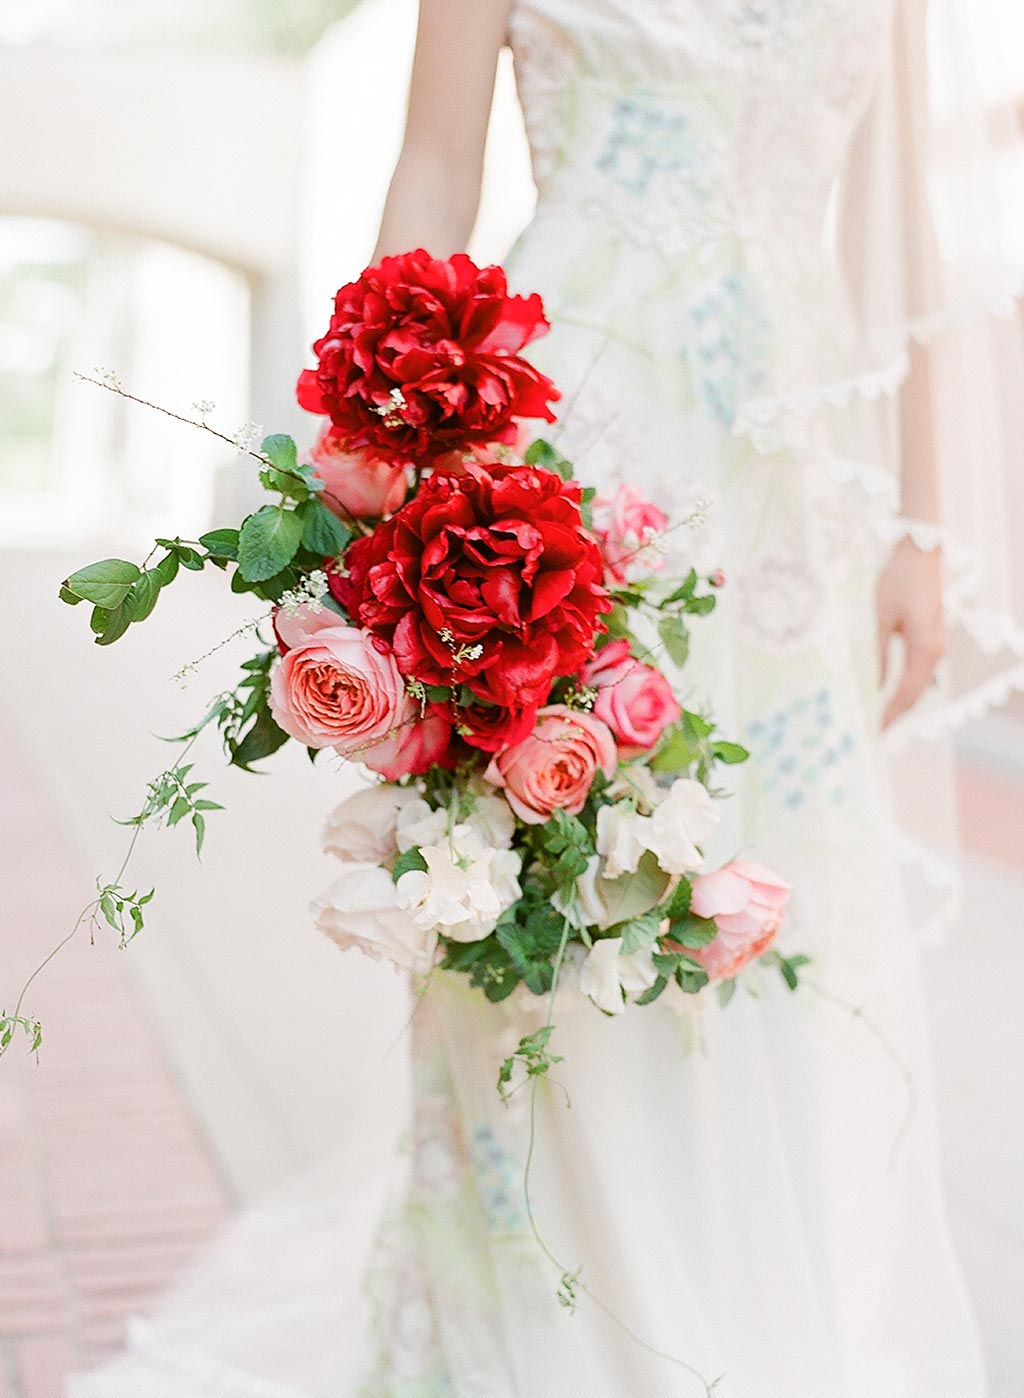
[(435, 189), (910, 587)]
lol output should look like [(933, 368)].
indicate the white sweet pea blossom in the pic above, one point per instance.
[(609, 978), (419, 825), (465, 887), (636, 781), (621, 838), (492, 818), (680, 825), (587, 907)]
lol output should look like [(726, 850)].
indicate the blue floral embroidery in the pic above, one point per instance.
[(645, 140), (727, 336), (498, 1182), (801, 748)]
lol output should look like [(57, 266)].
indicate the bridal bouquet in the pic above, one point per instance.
[(450, 608)]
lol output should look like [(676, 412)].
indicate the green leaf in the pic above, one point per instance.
[(675, 638), (221, 543), (66, 595), (142, 598), (115, 624), (702, 606), (638, 933), (726, 990), (729, 753), (268, 542), (632, 895), (542, 453), (675, 751), (167, 568), (106, 583), (262, 739), (179, 810), (684, 591), (322, 532), (199, 826), (679, 904), (409, 859), (280, 451), (652, 993), (692, 931)]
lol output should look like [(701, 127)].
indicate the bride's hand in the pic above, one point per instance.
[(909, 602)]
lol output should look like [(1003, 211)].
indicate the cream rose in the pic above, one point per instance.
[(361, 910), (362, 828)]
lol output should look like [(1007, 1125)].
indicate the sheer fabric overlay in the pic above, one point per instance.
[(737, 261)]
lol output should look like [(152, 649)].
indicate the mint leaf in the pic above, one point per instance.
[(322, 532), (408, 860), (268, 542), (221, 543), (106, 583)]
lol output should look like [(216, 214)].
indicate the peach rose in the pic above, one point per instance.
[(356, 483), (333, 688), (627, 528), (635, 700), (554, 768), (748, 904)]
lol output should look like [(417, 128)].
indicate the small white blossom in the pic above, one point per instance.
[(620, 838), (246, 436), (609, 978), (203, 407), (465, 887), (307, 594), (679, 827)]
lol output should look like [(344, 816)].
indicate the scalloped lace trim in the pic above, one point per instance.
[(944, 719), (756, 417)]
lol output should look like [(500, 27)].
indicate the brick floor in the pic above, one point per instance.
[(106, 1185)]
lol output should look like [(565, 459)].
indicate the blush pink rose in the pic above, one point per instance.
[(334, 688), (416, 745), (554, 768), (356, 482), (634, 700), (748, 904), (627, 526)]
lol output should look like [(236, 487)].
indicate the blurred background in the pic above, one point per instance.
[(180, 194)]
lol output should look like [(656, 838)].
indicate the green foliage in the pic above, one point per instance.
[(789, 967), (692, 931), (638, 932), (323, 533), (688, 746), (10, 1024), (543, 454), (106, 584), (530, 933), (633, 895), (564, 846), (268, 541), (221, 544), (533, 1057), (121, 910), (408, 860), (171, 797), (675, 637)]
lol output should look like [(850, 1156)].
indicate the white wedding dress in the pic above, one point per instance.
[(753, 1189)]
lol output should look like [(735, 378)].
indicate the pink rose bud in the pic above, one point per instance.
[(356, 482), (634, 700), (627, 527), (748, 905), (554, 768), (717, 578)]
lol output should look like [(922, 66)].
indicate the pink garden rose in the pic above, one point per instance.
[(554, 768), (627, 527), (421, 742), (748, 904), (333, 688), (356, 482), (634, 700)]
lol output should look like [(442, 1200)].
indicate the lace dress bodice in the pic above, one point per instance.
[(689, 120)]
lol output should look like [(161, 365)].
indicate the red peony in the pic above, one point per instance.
[(421, 359), (486, 579)]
